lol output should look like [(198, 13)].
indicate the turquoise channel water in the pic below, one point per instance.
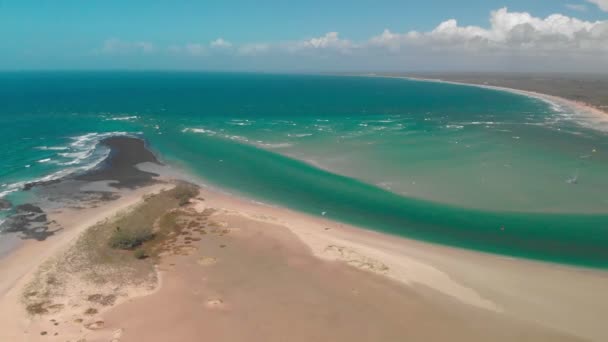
[(458, 165)]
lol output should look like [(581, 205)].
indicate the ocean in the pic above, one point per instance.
[(464, 166)]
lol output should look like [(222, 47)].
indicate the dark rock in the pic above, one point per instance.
[(120, 165), (5, 204), (30, 222), (28, 208)]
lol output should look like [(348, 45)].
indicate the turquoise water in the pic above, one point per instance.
[(458, 165)]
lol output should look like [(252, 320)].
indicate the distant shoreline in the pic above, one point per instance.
[(578, 106), (582, 106)]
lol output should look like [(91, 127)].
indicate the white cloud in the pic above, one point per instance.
[(198, 49), (330, 40), (514, 40), (220, 43), (512, 31), (576, 7), (117, 46), (602, 4)]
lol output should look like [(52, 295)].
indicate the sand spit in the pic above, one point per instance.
[(224, 268)]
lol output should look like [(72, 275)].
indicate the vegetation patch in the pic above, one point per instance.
[(101, 299), (131, 237), (112, 257)]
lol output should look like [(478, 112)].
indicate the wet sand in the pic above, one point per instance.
[(103, 183), (120, 165)]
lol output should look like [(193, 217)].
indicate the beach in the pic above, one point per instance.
[(243, 270), (583, 108), (591, 113), (187, 171)]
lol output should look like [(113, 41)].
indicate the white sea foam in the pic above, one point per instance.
[(199, 130), (122, 118), (239, 122), (481, 123), (8, 191), (300, 135), (237, 138), (385, 185), (275, 145), (52, 148), (80, 154), (77, 157), (454, 126)]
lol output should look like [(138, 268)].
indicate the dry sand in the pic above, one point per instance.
[(20, 265), (260, 283), (271, 274)]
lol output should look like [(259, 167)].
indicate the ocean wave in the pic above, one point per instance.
[(82, 152), (83, 146), (8, 191), (237, 138), (300, 135), (488, 123), (274, 145), (454, 126), (17, 186), (385, 185), (77, 157), (239, 122), (122, 118), (286, 122), (51, 148), (199, 130)]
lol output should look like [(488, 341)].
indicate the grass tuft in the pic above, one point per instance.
[(131, 237)]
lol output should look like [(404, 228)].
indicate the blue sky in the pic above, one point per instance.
[(137, 34)]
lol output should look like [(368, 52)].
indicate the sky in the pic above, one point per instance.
[(305, 36)]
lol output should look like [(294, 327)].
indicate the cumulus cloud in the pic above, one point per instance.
[(117, 46), (602, 4), (512, 31), (516, 40), (330, 40), (199, 49), (220, 43)]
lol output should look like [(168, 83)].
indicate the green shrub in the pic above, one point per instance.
[(130, 238), (184, 192), (140, 254)]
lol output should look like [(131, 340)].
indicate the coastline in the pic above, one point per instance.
[(511, 294), (20, 266), (580, 107), (444, 275)]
